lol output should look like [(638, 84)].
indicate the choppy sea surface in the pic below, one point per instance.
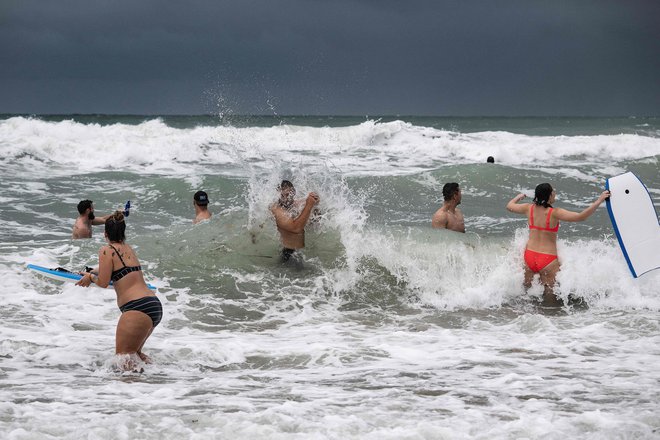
[(392, 330)]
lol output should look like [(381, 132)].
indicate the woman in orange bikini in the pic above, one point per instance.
[(541, 249)]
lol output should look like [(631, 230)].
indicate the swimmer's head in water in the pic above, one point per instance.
[(287, 193), (543, 195), (451, 190), (201, 198), (115, 227), (84, 205)]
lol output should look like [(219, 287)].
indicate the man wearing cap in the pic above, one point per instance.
[(201, 201), (82, 228)]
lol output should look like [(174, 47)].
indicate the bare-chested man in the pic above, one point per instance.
[(449, 216), (201, 204), (291, 218), (82, 228)]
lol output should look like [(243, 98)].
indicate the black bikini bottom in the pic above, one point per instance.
[(149, 305)]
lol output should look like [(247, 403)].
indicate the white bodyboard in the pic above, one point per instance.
[(635, 222), (64, 275)]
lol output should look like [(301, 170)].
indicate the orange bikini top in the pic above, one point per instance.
[(547, 221)]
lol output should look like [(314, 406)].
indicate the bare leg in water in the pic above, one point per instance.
[(548, 279), (133, 329), (146, 359)]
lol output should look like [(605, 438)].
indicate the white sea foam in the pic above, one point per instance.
[(392, 330), (315, 371), (450, 272), (370, 148)]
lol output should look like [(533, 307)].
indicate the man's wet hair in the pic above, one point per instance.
[(449, 190), (84, 205), (490, 159), (284, 185)]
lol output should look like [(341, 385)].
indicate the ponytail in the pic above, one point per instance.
[(115, 227), (542, 195)]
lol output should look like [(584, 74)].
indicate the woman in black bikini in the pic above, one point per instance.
[(141, 309)]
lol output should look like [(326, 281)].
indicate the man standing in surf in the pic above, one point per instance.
[(291, 220), (82, 228), (449, 216)]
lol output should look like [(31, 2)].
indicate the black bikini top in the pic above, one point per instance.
[(121, 273)]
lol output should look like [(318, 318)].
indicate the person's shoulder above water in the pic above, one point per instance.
[(449, 216), (291, 215), (200, 203), (82, 228)]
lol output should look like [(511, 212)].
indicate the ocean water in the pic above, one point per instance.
[(391, 330)]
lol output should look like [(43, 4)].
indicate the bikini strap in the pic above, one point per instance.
[(547, 219), (531, 215), (119, 255)]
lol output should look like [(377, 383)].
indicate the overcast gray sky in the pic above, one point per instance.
[(352, 57)]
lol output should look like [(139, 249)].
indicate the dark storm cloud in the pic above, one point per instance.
[(351, 57)]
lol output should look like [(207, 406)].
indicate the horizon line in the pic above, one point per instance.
[(293, 115)]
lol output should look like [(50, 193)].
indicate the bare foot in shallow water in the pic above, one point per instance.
[(125, 362), (146, 359)]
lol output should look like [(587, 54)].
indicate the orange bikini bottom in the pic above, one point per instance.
[(536, 261)]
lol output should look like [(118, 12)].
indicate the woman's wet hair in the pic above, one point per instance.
[(115, 227), (542, 194)]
